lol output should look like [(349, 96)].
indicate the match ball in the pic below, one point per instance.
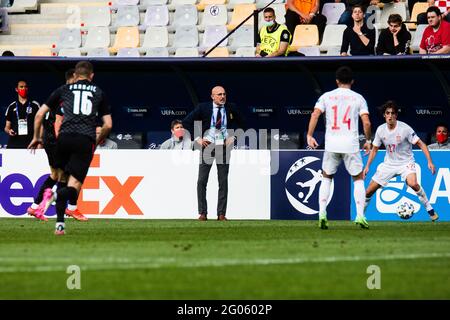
[(405, 210)]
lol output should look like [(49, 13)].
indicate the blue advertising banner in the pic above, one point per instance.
[(385, 201), (295, 187)]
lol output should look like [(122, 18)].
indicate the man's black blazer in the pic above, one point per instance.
[(203, 113)]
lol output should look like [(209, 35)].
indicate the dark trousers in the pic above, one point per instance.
[(222, 156), (293, 19)]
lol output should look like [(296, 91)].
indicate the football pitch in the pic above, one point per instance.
[(189, 259)]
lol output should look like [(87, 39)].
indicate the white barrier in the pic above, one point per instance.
[(143, 184)]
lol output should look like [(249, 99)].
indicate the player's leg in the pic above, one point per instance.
[(411, 181), (330, 164), (380, 179), (354, 166), (371, 189)]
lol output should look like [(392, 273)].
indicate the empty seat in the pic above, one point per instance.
[(127, 16), (204, 3), (240, 13), (95, 16), (152, 2), (245, 52), (23, 5), (126, 2), (156, 37), (182, 2), (417, 37), (240, 1), (185, 15), (213, 34), (98, 37), (126, 37), (128, 52), (69, 52), (333, 11), (305, 35), (157, 16), (186, 52), (98, 52), (332, 36), (157, 52), (313, 51), (219, 52), (243, 37), (334, 51), (215, 15), (41, 52), (185, 37), (419, 7), (69, 38)]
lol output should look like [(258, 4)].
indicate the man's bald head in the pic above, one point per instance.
[(219, 95)]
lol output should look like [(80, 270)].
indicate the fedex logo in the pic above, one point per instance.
[(17, 192)]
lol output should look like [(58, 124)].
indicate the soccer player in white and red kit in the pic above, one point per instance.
[(343, 107), (398, 138)]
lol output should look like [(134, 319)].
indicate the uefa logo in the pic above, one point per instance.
[(302, 185), (395, 193)]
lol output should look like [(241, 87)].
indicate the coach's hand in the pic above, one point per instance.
[(203, 142), (312, 143), (431, 167)]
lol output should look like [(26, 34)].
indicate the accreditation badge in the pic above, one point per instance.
[(218, 138), (23, 127)]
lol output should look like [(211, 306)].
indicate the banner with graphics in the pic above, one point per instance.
[(142, 184), (295, 187), (385, 201)]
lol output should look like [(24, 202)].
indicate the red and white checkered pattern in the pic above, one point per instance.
[(443, 5)]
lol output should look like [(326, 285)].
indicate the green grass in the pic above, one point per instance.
[(173, 259)]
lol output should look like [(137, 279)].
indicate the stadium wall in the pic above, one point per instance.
[(146, 94), (158, 184)]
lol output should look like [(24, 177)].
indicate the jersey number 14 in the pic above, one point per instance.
[(82, 102), (335, 117)]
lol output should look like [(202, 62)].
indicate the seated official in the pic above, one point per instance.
[(273, 38), (180, 140)]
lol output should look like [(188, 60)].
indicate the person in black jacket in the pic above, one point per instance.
[(359, 37), (216, 141), (396, 39)]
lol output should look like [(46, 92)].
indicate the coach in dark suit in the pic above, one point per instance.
[(216, 142)]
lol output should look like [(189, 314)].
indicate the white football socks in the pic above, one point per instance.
[(324, 193), (359, 194), (423, 198)]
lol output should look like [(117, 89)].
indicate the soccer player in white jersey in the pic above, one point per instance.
[(343, 107), (398, 138)]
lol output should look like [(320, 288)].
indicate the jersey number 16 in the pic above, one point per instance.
[(82, 102)]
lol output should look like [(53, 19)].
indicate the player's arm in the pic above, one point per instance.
[(311, 127), (58, 123), (372, 155), (367, 127), (106, 128), (37, 139), (427, 154)]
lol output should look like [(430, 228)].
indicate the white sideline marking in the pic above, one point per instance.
[(94, 264)]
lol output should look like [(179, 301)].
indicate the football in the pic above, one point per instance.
[(405, 210)]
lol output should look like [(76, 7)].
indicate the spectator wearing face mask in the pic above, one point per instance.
[(180, 138), (20, 118), (105, 143), (273, 38), (441, 138)]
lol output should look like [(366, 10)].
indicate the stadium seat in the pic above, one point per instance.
[(234, 2), (126, 37), (305, 35), (156, 37), (245, 52), (95, 16), (4, 20), (98, 52), (41, 52), (128, 140), (263, 3), (334, 51), (185, 15), (240, 13), (419, 7), (98, 37), (23, 5), (185, 37), (128, 52), (147, 3), (156, 16), (69, 52), (215, 15), (333, 11), (219, 52), (388, 9), (186, 52), (313, 51), (213, 34), (69, 39), (157, 52), (204, 3), (242, 37), (126, 2), (183, 2), (127, 16), (332, 36), (417, 37)]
